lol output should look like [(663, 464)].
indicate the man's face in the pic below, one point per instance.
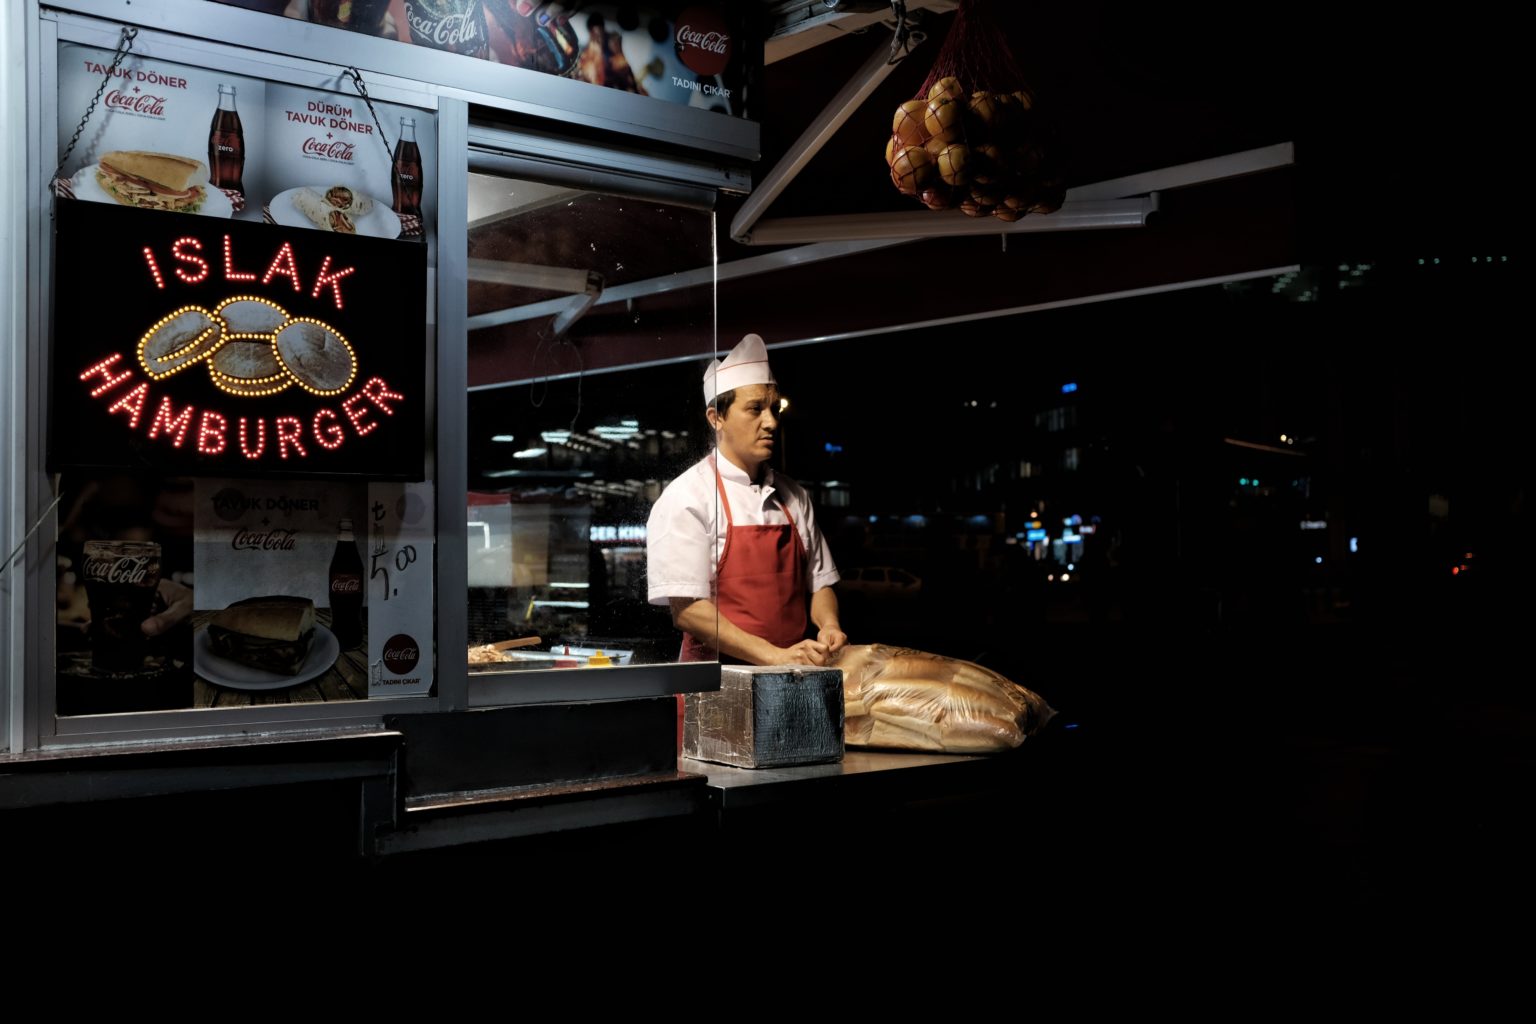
[(748, 430)]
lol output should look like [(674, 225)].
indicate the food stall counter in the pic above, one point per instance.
[(864, 774)]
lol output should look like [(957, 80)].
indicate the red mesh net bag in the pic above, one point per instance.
[(972, 137)]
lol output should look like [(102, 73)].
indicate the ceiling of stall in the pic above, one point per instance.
[(1130, 88)]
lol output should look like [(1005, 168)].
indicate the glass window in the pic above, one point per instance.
[(177, 593), (239, 413), (591, 321)]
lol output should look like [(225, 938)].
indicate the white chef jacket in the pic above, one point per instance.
[(681, 561)]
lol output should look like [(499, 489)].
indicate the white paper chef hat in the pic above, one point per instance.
[(747, 363)]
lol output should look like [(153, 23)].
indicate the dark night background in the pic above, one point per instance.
[(1242, 726)]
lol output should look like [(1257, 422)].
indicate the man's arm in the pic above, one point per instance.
[(824, 613), (703, 620)]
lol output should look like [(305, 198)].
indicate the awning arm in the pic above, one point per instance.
[(584, 286), (841, 107)]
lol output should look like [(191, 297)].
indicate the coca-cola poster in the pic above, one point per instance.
[(344, 169), (180, 593), (398, 571), (186, 139), (257, 537), (699, 54), (282, 596)]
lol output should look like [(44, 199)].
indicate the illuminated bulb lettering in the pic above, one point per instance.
[(230, 273), (103, 370), (211, 437), (289, 430), (330, 435), (378, 392), (261, 439), (352, 406), (171, 425), (334, 280), (191, 259), (132, 404), (154, 268), (283, 264)]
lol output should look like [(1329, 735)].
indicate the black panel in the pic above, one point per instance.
[(121, 271)]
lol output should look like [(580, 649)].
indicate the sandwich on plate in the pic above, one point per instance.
[(155, 181), (269, 633)]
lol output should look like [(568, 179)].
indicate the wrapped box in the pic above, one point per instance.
[(767, 717)]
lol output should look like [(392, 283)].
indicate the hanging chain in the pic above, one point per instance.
[(362, 90), (902, 41), (124, 46)]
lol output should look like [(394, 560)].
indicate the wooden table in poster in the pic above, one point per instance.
[(347, 679)]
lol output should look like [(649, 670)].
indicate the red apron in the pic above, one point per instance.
[(760, 585)]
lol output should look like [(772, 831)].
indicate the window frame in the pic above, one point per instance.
[(26, 604)]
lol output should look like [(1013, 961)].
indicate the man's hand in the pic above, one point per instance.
[(829, 631), (834, 638), (806, 652), (178, 605)]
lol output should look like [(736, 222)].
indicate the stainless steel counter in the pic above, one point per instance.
[(862, 773)]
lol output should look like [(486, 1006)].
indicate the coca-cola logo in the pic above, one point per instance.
[(330, 149), (401, 654), (702, 40), (131, 569), (453, 32), (346, 584), (143, 103), (263, 540)]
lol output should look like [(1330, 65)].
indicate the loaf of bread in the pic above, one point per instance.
[(905, 699)]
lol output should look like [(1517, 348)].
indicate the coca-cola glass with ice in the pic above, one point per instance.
[(121, 579)]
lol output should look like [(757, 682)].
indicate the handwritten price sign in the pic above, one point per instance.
[(400, 559)]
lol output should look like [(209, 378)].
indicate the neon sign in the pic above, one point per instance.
[(237, 348)]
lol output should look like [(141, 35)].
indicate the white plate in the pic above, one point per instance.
[(85, 186), (323, 653), (380, 222)]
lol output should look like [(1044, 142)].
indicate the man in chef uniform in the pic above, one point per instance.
[(734, 547)]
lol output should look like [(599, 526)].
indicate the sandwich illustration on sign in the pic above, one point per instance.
[(269, 633), (154, 181)]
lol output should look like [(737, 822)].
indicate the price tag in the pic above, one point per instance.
[(399, 564)]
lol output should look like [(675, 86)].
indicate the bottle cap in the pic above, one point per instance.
[(345, 524), (599, 659)]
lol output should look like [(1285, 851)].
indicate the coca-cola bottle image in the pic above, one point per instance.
[(454, 25), (346, 578), (226, 144), (405, 175)]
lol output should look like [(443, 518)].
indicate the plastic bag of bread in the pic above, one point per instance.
[(896, 697)]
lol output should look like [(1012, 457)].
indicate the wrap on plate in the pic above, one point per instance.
[(348, 200), (322, 214)]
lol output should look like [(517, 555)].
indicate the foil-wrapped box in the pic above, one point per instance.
[(767, 717)]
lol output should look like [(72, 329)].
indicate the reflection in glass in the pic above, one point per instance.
[(591, 320)]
